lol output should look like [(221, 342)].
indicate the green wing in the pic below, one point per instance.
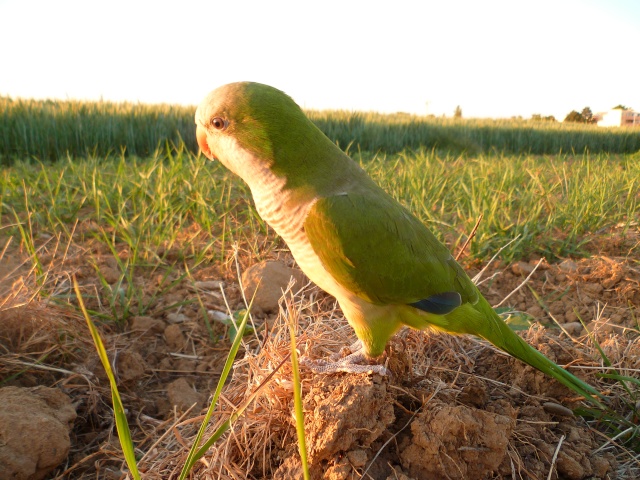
[(377, 249)]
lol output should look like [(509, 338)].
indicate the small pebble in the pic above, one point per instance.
[(557, 409)]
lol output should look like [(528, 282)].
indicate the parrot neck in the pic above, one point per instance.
[(285, 188), (282, 207)]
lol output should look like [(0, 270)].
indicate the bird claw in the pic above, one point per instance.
[(355, 363)]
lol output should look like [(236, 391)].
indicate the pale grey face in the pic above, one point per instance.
[(225, 130), (211, 123), (258, 131)]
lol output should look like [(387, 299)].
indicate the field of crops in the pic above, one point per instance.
[(116, 198), (49, 130)]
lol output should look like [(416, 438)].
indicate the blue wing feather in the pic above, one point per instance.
[(439, 304)]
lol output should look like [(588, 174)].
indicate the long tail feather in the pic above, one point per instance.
[(483, 321)]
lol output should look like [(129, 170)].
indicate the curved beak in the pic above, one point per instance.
[(201, 136)]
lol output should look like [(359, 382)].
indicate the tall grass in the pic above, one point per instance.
[(49, 130), (394, 133), (148, 204)]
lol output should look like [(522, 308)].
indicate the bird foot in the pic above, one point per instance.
[(356, 362)]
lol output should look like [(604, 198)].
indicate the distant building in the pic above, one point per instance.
[(618, 118)]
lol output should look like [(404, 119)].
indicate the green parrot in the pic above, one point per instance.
[(385, 268)]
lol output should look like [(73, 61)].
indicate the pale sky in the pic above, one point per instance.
[(494, 58)]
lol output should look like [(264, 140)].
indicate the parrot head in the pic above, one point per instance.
[(252, 128), (248, 126)]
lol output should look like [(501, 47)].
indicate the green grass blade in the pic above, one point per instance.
[(619, 378), (122, 427), (297, 402), (235, 415), (194, 453)]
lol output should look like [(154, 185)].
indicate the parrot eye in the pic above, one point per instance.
[(219, 123)]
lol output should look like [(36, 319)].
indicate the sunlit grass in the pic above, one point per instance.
[(175, 206), (554, 203), (151, 216), (119, 414), (50, 130)]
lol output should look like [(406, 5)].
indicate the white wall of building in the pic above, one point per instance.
[(612, 118)]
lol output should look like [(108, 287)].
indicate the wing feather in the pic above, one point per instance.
[(377, 249)]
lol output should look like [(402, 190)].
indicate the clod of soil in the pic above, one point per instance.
[(183, 395), (457, 442), (147, 325), (271, 279), (18, 327), (34, 431), (130, 366), (344, 415), (174, 337)]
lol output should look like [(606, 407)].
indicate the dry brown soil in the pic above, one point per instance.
[(454, 407)]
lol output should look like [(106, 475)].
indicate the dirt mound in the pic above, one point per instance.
[(457, 399), (457, 442), (455, 407), (34, 431)]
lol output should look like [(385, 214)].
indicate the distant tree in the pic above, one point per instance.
[(457, 113), (536, 117), (620, 107), (587, 115), (574, 116)]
